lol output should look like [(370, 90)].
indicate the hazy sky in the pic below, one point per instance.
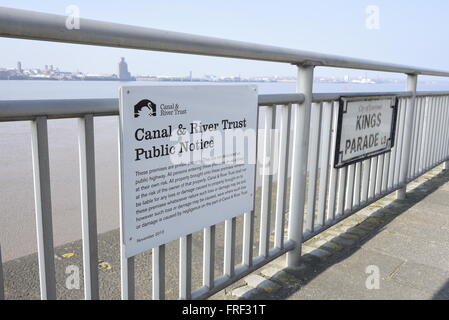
[(410, 32)]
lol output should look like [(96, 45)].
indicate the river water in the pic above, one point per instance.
[(17, 218)]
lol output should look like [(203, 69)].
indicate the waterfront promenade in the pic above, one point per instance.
[(407, 240)]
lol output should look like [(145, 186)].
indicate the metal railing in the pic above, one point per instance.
[(315, 197)]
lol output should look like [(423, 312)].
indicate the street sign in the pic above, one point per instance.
[(366, 128), (187, 160)]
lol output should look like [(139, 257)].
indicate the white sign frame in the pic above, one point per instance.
[(205, 96), (345, 104)]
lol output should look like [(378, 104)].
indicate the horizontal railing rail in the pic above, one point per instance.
[(19, 110), (16, 23)]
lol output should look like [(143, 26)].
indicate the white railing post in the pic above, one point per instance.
[(86, 144), (301, 126), (42, 199), (412, 80)]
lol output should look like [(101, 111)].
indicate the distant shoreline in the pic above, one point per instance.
[(382, 81)]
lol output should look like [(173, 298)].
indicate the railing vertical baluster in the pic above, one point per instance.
[(2, 283), (422, 158), (185, 267), (435, 132), (394, 152), (349, 197), (158, 272), (248, 239), (86, 145), (372, 178), (446, 107), (426, 133), (325, 153), (209, 256), (412, 141), (127, 276), (418, 137), (399, 146), (431, 136), (447, 131), (333, 179), (438, 134), (446, 144), (282, 177), (379, 173), (312, 165), (444, 137), (267, 180), (301, 127), (416, 126), (441, 131), (443, 128), (385, 172), (357, 183), (229, 247), (432, 132), (435, 136), (412, 80), (42, 198), (441, 135), (365, 180), (342, 179)]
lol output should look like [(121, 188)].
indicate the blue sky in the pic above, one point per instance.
[(410, 32)]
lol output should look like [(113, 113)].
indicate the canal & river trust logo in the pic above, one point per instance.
[(145, 107)]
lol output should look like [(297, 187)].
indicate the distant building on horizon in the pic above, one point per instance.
[(19, 67), (123, 73)]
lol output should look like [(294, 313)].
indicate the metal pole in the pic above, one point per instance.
[(159, 272), (412, 80), (267, 180), (301, 127), (25, 24), (42, 198), (86, 145), (185, 267), (283, 155), (209, 256)]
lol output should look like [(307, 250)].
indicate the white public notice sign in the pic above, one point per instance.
[(365, 129), (187, 160)]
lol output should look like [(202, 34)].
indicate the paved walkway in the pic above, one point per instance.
[(406, 242)]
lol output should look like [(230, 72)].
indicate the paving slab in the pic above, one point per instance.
[(421, 276), (362, 258), (410, 249), (337, 285)]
